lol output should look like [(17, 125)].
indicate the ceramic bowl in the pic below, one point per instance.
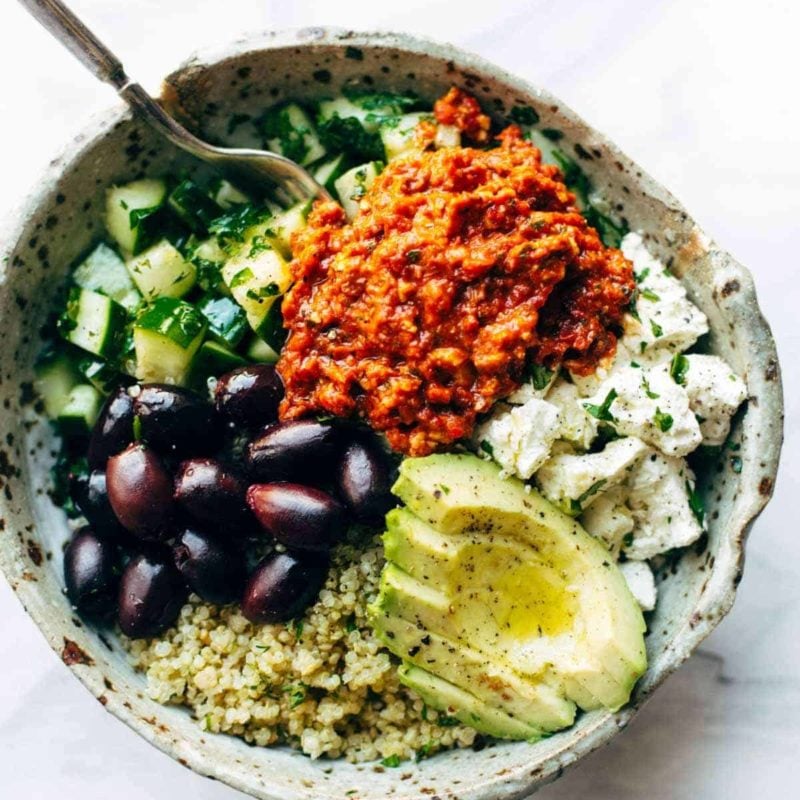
[(62, 219)]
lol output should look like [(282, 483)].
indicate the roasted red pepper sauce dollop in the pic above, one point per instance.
[(462, 266)]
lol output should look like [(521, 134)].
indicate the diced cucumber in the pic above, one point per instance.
[(103, 270), (328, 171), (288, 130), (210, 250), (227, 321), (256, 277), (211, 361), (353, 185), (102, 375), (131, 212), (166, 336), (258, 350), (56, 377), (287, 223), (193, 206), (161, 271), (397, 134), (93, 322), (447, 136), (79, 414), (369, 109), (272, 330), (547, 146), (226, 195)]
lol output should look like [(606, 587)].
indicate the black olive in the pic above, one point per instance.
[(151, 594), (91, 574), (249, 395), (140, 492), (282, 586), (113, 430), (213, 495), (298, 450), (300, 517), (365, 480), (175, 421), (90, 494), (212, 570)]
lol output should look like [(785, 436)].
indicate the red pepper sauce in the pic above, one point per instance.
[(461, 267)]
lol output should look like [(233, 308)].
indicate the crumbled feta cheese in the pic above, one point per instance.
[(715, 393), (668, 321), (641, 582), (575, 481), (537, 386), (609, 519), (519, 438), (648, 404), (577, 426), (658, 496)]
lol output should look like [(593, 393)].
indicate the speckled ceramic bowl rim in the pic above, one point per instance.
[(718, 596)]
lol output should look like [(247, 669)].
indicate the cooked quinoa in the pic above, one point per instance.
[(322, 684)]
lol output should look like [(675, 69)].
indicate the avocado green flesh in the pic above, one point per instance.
[(499, 582), (456, 702)]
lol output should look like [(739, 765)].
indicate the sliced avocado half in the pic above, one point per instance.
[(485, 580)]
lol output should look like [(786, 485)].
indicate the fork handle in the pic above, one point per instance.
[(79, 40)]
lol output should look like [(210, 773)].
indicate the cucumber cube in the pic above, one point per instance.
[(398, 137), (226, 195), (93, 322), (79, 414), (256, 277), (161, 271), (103, 270), (166, 337), (287, 223), (288, 130), (56, 377), (327, 172), (353, 185), (193, 206), (102, 375), (258, 350), (227, 321), (271, 329), (132, 212)]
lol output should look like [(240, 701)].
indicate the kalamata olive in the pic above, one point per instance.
[(175, 420), (299, 449), (151, 593), (364, 480), (249, 395), (90, 494), (213, 571), (212, 494), (91, 574), (140, 492), (113, 430), (301, 517), (283, 586)]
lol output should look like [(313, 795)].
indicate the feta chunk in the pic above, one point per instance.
[(658, 496), (574, 482), (538, 384), (577, 427), (668, 321), (715, 393), (641, 582), (609, 519), (519, 438), (648, 404)]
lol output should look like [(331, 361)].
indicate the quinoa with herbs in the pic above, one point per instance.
[(322, 684)]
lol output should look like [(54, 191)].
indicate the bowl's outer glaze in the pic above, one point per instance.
[(61, 220)]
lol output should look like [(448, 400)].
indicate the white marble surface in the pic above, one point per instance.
[(703, 94)]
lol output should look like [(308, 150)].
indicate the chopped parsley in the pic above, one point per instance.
[(137, 428), (413, 256), (425, 750), (576, 505), (647, 390), (540, 376), (664, 421), (298, 628), (446, 721), (696, 503), (640, 276), (232, 226), (678, 368), (602, 412), (656, 328), (297, 694), (487, 447), (391, 761), (648, 294)]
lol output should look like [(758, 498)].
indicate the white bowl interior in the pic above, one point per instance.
[(64, 219)]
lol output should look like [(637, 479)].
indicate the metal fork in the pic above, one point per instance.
[(242, 165)]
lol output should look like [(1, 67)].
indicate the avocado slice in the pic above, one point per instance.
[(451, 699), (509, 585)]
